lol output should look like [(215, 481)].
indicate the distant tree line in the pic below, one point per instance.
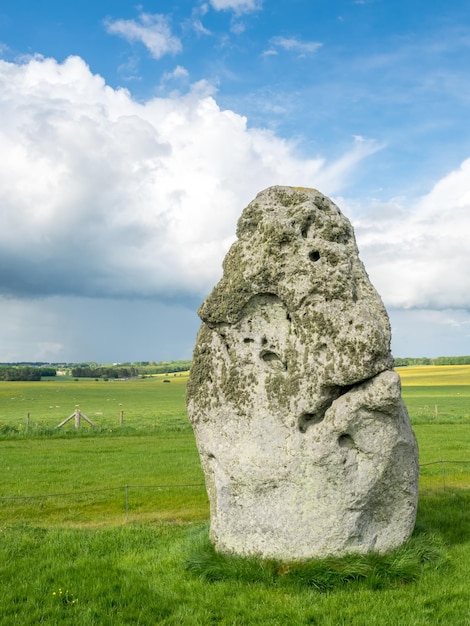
[(440, 360), (21, 373), (85, 371), (29, 363), (163, 367), (129, 370)]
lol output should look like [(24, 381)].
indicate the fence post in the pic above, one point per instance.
[(121, 417), (76, 415), (27, 421), (443, 465), (127, 503)]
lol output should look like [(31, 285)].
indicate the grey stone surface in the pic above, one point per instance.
[(304, 439)]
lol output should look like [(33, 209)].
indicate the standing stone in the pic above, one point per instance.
[(304, 439)]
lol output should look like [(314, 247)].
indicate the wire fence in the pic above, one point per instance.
[(461, 476), (444, 474), (70, 505)]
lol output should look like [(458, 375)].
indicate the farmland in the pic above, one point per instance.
[(152, 403), (104, 553)]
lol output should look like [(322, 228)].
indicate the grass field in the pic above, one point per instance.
[(437, 394), (148, 403), (86, 558)]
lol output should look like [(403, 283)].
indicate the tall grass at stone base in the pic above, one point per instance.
[(374, 571)]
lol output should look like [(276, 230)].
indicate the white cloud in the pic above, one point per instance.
[(238, 28), (195, 23), (418, 255), (102, 196), (199, 27), (152, 30), (270, 53), (178, 73), (292, 44), (129, 70), (239, 6)]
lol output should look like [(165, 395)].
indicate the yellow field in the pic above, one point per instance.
[(433, 375)]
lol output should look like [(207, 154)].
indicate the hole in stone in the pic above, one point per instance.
[(268, 356), (346, 441), (248, 340), (314, 256), (210, 456), (306, 226), (264, 341), (309, 419), (272, 359), (223, 336)]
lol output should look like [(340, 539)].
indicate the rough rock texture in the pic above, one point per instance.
[(304, 439)]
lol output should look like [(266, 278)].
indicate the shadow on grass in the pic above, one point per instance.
[(446, 514)]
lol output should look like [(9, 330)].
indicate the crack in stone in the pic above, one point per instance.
[(311, 419)]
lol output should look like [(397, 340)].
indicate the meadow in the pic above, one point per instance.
[(126, 542), (147, 403)]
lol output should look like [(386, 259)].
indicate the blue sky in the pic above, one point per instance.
[(133, 135)]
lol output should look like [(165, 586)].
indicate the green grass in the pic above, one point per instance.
[(438, 405), (437, 394), (36, 466), (148, 404), (374, 571), (146, 574), (79, 559)]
